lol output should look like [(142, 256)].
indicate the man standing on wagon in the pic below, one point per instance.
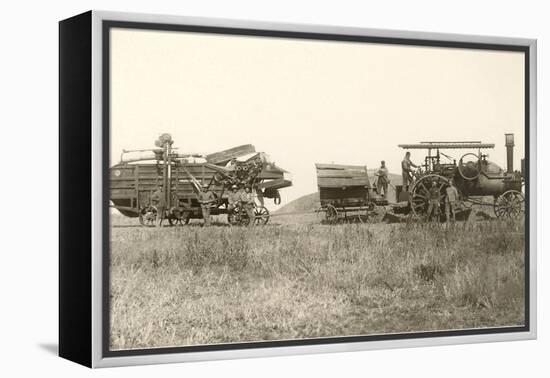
[(382, 181), (206, 199), (406, 171)]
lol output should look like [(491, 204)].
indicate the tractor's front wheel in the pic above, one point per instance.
[(510, 204)]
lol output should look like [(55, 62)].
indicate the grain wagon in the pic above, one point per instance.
[(346, 194)]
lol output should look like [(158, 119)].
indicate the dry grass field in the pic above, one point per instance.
[(190, 285)]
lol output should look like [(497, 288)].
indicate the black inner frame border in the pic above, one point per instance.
[(107, 25)]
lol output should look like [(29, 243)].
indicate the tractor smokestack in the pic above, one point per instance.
[(509, 152)]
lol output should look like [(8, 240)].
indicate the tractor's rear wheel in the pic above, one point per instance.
[(510, 204), (420, 194)]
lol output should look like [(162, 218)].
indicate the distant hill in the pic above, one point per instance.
[(311, 202)]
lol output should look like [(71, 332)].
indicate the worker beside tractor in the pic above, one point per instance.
[(434, 202), (451, 201)]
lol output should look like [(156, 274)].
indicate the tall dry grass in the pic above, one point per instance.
[(192, 285)]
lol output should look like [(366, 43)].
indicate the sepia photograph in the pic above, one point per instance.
[(265, 188)]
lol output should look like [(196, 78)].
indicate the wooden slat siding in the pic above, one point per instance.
[(226, 155), (339, 176), (340, 166), (333, 173), (342, 182), (343, 197)]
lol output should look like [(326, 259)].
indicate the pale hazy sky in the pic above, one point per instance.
[(305, 101)]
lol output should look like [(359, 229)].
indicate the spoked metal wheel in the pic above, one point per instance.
[(238, 217), (180, 219), (148, 216), (331, 214), (510, 204), (261, 215), (420, 193)]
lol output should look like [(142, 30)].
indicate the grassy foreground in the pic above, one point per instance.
[(190, 285)]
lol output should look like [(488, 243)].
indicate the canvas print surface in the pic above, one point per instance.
[(268, 189)]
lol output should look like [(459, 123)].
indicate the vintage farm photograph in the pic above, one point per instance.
[(268, 188)]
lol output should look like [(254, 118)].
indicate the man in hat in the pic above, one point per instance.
[(247, 203), (206, 200), (382, 180), (451, 200), (406, 171), (159, 202), (434, 198), (233, 199)]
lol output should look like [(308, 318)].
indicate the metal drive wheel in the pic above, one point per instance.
[(261, 215), (148, 216), (331, 214), (469, 170), (421, 191), (510, 204)]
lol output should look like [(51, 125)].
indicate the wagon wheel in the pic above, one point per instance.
[(231, 217), (238, 217), (174, 221), (469, 170), (148, 216), (420, 193), (331, 214), (186, 217), (376, 214), (181, 220), (261, 215), (510, 204)]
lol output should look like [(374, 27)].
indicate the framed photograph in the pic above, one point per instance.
[(233, 189)]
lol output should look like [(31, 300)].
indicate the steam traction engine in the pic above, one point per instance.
[(182, 175), (474, 176)]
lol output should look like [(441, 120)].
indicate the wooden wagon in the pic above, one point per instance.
[(181, 176), (345, 193)]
